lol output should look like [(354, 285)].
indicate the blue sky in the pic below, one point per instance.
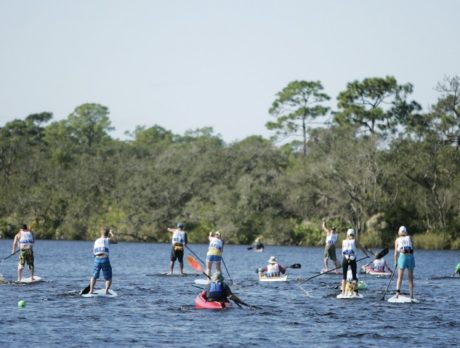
[(187, 64)]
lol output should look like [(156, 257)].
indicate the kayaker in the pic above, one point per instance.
[(380, 265), (404, 259), (219, 291), (329, 249), (178, 241), (349, 252), (101, 251), (273, 269), (258, 245), (215, 250), (24, 239)]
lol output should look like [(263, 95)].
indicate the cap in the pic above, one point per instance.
[(24, 227), (180, 225), (350, 232), (272, 260), (402, 231), (217, 234)]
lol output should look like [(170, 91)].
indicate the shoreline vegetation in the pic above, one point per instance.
[(373, 161)]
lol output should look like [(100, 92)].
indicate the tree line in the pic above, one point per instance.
[(374, 161)]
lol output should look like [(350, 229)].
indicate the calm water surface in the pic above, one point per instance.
[(155, 310)]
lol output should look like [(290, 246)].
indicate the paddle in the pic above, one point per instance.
[(5, 258), (391, 278), (85, 290), (188, 248), (196, 266), (294, 266), (250, 248), (378, 256), (229, 277)]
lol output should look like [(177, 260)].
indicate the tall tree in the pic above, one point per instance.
[(375, 105), (298, 102)]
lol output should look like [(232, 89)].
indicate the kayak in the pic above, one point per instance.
[(282, 278), (202, 303), (370, 271)]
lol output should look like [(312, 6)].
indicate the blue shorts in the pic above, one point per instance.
[(104, 264), (406, 261), (213, 258)]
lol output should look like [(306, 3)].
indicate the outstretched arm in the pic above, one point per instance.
[(15, 244)]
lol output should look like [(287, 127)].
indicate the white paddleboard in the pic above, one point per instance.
[(201, 281), (282, 278), (101, 293), (402, 299), (29, 281), (352, 296)]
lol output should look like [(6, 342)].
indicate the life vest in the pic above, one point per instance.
[(349, 249), (216, 291), (405, 245), (215, 246), (273, 270), (26, 239), (331, 238), (178, 240), (101, 246)]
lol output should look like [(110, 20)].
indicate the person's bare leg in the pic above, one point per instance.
[(108, 283), (218, 267), (410, 276), (399, 281), (343, 286), (19, 273), (92, 283), (171, 267), (31, 271), (208, 268), (181, 266)]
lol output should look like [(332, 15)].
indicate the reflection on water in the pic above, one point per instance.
[(157, 310)]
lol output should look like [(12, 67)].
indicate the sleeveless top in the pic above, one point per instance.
[(273, 270), (215, 246), (405, 245), (178, 237), (378, 265), (331, 238), (349, 249), (26, 239), (101, 247)]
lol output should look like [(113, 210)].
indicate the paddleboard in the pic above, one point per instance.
[(29, 281), (201, 281), (282, 278), (352, 296), (402, 299), (166, 274), (101, 293)]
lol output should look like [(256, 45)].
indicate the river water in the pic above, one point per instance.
[(153, 310)]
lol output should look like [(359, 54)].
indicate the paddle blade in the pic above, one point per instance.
[(194, 263), (85, 290), (381, 253), (295, 266)]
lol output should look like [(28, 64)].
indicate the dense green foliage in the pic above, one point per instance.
[(379, 162)]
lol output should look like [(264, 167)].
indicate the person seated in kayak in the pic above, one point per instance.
[(273, 269), (380, 265), (457, 269), (258, 245), (218, 290)]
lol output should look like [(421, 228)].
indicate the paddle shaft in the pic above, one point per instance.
[(389, 282), (5, 258), (332, 270), (229, 277)]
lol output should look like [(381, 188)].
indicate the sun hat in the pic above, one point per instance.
[(217, 277), (180, 225), (402, 231), (272, 260), (350, 232), (217, 234)]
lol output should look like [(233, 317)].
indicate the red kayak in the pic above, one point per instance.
[(202, 303)]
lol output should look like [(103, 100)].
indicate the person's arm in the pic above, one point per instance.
[(172, 230), (112, 238), (323, 226), (186, 239), (395, 257), (282, 269), (15, 242)]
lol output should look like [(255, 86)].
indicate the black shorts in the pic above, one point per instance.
[(177, 255)]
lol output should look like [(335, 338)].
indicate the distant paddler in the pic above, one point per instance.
[(457, 269), (25, 240), (179, 242), (101, 251), (215, 250), (404, 259), (329, 249)]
